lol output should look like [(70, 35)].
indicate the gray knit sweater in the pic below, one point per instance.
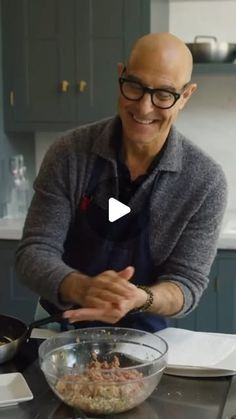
[(186, 210)]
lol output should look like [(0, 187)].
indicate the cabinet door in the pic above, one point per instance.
[(15, 299), (60, 58), (105, 31), (206, 312), (226, 292), (38, 54)]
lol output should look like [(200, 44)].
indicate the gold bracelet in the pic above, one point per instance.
[(150, 297)]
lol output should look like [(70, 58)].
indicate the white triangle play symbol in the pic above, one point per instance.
[(116, 209)]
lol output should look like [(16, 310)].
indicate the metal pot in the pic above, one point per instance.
[(13, 332), (213, 51)]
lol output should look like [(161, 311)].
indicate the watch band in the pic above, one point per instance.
[(150, 297)]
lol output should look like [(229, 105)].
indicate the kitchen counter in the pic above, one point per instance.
[(11, 229), (175, 397), (227, 238)]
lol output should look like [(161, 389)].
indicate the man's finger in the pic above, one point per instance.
[(112, 295), (127, 273), (90, 314), (83, 314)]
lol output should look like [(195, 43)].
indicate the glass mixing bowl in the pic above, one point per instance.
[(103, 370)]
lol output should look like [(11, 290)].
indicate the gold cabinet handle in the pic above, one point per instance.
[(12, 98), (64, 86), (82, 85)]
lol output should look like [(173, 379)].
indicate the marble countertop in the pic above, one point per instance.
[(11, 229), (227, 239)]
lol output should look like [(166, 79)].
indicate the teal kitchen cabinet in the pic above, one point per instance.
[(216, 311), (15, 299), (226, 291), (38, 44), (60, 58)]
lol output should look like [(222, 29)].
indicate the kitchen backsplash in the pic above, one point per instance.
[(209, 118), (42, 142)]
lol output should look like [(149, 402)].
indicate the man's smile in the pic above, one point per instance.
[(143, 121)]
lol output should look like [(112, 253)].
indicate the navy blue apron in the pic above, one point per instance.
[(91, 251)]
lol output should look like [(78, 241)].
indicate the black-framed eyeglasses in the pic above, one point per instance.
[(135, 90)]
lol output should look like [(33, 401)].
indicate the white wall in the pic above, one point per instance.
[(210, 118), (191, 18)]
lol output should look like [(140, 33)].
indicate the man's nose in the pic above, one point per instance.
[(145, 103)]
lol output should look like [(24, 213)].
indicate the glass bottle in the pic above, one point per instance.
[(20, 189)]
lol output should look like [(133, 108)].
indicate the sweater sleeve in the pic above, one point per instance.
[(190, 261), (39, 263)]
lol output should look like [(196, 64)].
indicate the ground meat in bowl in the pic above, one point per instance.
[(102, 388)]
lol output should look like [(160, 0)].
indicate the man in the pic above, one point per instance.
[(155, 263)]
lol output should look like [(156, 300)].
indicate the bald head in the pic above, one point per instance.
[(163, 52)]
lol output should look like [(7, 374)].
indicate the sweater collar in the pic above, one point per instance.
[(104, 145)]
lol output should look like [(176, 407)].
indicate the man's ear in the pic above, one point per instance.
[(190, 89), (120, 68)]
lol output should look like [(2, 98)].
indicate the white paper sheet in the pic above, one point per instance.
[(200, 349)]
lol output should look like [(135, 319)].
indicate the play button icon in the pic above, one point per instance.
[(116, 209), (107, 217)]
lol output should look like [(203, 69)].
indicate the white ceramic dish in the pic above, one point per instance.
[(13, 389), (220, 369), (189, 371), (199, 354)]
